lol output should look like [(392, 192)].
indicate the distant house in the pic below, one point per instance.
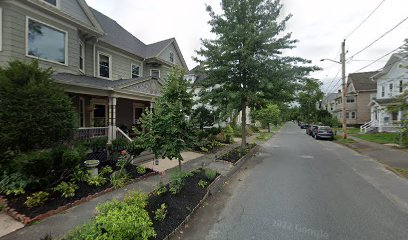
[(111, 76), (391, 82), (359, 92), (329, 102)]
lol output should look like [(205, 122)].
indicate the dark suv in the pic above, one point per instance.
[(323, 132)]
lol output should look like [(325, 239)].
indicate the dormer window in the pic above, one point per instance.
[(172, 57), (155, 73), (54, 3)]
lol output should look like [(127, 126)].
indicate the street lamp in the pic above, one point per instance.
[(343, 94)]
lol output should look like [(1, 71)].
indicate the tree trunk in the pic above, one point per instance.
[(179, 162), (243, 127), (269, 127)]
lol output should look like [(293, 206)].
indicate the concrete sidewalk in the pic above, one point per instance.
[(388, 155), (60, 224)]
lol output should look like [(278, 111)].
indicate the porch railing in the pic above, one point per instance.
[(122, 135), (91, 132)]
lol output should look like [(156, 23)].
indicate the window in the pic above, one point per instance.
[(104, 65), (172, 57), (391, 87), (350, 99), (401, 86), (155, 73), (54, 3), (382, 91), (353, 115), (1, 29), (81, 57), (135, 71), (347, 115), (394, 116), (46, 42)]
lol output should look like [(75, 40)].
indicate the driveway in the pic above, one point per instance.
[(300, 188)]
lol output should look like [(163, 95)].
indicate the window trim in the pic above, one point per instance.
[(1, 29), (355, 115), (131, 69), (151, 70), (382, 91), (98, 65), (81, 43), (57, 2), (51, 26)]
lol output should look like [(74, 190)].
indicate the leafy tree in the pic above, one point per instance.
[(203, 117), (268, 115), (309, 95), (401, 104), (168, 131), (35, 113), (244, 63)]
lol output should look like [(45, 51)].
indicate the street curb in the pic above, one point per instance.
[(215, 186), (27, 220)]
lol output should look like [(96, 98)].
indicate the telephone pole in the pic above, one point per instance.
[(343, 92)]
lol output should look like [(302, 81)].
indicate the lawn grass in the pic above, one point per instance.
[(402, 171), (339, 139), (381, 138), (263, 136)]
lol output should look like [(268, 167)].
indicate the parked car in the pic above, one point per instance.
[(324, 132), (304, 126), (311, 130)]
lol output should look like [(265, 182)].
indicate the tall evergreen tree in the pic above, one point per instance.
[(245, 65)]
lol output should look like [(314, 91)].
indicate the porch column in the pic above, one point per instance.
[(151, 106), (112, 120), (380, 120)]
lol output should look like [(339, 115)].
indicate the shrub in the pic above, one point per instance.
[(229, 132), (120, 144), (71, 158), (160, 214), (36, 199), (177, 181), (67, 190), (13, 184), (96, 180), (97, 144), (141, 170), (45, 114), (202, 184), (160, 189), (125, 220), (210, 174), (118, 179), (79, 174), (136, 147), (105, 171)]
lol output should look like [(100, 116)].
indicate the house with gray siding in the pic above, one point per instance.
[(111, 75)]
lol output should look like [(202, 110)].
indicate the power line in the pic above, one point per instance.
[(331, 67), (355, 29), (380, 58), (329, 87), (386, 33)]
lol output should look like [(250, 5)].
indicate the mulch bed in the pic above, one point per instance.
[(235, 154), (55, 200), (179, 206)]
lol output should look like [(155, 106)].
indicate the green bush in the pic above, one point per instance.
[(67, 190), (45, 116), (202, 184), (38, 164), (229, 133), (36, 199), (13, 184), (160, 189), (141, 170), (105, 171), (210, 174), (160, 214), (71, 158), (79, 174), (177, 181), (136, 147), (97, 144), (118, 179), (96, 180), (120, 144)]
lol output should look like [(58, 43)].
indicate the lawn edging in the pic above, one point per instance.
[(27, 220), (215, 186)]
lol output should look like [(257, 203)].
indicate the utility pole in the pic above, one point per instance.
[(343, 94)]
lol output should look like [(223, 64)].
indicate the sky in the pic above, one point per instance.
[(319, 25)]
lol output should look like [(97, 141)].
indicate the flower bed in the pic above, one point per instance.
[(235, 154), (55, 203)]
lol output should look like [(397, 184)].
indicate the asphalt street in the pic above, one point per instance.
[(300, 188)]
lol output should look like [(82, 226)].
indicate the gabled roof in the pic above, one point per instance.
[(394, 59), (362, 81), (330, 96), (199, 72), (117, 36), (93, 81)]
